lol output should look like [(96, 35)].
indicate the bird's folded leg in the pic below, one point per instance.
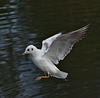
[(38, 78)]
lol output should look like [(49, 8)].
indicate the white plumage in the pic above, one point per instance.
[(53, 50)]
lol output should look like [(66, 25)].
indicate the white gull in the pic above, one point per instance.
[(53, 50)]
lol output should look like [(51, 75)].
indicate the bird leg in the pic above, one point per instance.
[(38, 78)]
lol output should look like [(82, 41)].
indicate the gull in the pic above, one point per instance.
[(53, 50)]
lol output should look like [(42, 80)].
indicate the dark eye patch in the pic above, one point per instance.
[(28, 49), (32, 49)]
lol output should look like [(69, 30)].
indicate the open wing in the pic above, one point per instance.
[(62, 45), (46, 43)]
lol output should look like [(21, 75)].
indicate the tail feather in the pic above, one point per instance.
[(64, 75), (61, 75)]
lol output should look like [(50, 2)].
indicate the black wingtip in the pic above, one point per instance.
[(88, 25)]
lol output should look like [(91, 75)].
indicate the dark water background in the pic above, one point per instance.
[(24, 22)]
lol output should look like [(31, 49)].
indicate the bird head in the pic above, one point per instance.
[(29, 50)]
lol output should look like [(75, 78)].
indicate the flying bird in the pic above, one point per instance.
[(53, 50)]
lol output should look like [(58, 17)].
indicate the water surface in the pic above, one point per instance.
[(24, 22)]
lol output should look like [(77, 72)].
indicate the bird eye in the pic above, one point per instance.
[(28, 49), (32, 49)]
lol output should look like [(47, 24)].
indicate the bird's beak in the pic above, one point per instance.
[(24, 53)]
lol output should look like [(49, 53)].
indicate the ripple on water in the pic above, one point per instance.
[(20, 22)]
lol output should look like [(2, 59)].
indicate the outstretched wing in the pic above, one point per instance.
[(46, 43), (63, 44)]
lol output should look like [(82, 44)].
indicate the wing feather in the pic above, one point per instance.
[(47, 42), (63, 44)]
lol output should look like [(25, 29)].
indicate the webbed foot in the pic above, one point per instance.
[(39, 78)]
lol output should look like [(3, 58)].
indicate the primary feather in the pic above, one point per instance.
[(63, 44)]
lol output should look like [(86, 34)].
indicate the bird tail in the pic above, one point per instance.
[(62, 75)]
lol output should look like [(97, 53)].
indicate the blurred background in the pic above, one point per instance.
[(24, 22)]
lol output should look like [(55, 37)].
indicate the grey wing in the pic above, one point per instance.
[(63, 44), (47, 42)]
